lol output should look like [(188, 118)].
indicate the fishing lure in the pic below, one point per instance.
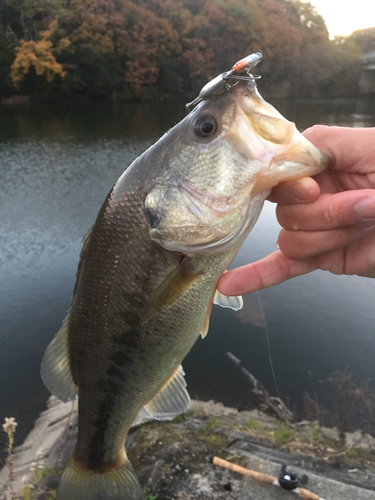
[(228, 79)]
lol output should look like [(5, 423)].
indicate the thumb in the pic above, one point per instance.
[(344, 145)]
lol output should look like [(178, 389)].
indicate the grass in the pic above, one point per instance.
[(352, 454), (211, 422), (10, 428), (139, 432), (282, 434), (149, 495), (28, 491), (254, 425), (180, 418), (213, 440)]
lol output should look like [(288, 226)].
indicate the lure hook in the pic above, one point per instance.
[(227, 80)]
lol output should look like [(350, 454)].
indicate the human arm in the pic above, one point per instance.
[(328, 222)]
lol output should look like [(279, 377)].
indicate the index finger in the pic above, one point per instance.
[(269, 271)]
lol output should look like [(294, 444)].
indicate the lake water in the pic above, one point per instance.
[(57, 164)]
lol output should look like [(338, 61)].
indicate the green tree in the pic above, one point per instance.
[(27, 18)]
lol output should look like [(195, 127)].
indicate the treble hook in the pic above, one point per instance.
[(240, 71)]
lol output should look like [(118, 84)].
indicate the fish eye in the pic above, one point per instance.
[(205, 126)]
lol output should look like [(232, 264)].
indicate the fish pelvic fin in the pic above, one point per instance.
[(232, 302), (78, 483), (176, 284), (55, 369), (172, 399)]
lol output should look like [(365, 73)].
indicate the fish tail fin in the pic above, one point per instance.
[(116, 484)]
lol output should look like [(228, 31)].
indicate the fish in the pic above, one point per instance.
[(149, 267)]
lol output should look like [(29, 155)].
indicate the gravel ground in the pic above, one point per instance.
[(174, 459)]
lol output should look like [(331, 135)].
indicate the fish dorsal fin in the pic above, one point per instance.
[(232, 302), (172, 399), (175, 285), (55, 369)]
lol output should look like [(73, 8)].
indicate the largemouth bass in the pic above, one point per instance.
[(146, 281)]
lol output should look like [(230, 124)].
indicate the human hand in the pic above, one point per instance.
[(328, 221)]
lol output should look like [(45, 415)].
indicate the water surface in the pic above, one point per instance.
[(57, 164)]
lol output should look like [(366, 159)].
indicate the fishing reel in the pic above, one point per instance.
[(291, 481)]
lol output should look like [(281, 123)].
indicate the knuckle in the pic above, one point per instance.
[(332, 215), (284, 268), (315, 132), (288, 243)]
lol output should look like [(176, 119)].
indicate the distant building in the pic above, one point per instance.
[(367, 73)]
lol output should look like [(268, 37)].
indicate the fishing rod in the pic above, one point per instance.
[(286, 481)]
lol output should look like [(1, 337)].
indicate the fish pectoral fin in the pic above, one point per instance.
[(176, 284), (232, 302), (172, 399), (206, 321), (206, 324), (55, 369)]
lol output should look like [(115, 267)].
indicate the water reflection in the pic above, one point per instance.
[(349, 112), (57, 164), (89, 121)]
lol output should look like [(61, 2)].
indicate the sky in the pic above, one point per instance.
[(343, 17)]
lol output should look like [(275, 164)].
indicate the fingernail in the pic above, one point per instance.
[(365, 209)]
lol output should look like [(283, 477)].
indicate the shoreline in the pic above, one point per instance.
[(15, 100), (53, 436)]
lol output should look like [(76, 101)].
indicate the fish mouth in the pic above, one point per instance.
[(282, 150), (300, 159)]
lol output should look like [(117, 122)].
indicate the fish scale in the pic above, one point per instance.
[(125, 340), (148, 271)]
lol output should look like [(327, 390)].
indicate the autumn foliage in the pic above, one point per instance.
[(38, 55), (165, 48)]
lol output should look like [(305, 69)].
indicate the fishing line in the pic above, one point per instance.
[(268, 346)]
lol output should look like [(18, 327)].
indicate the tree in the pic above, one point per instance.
[(365, 39), (39, 56), (151, 39), (157, 48), (27, 18)]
